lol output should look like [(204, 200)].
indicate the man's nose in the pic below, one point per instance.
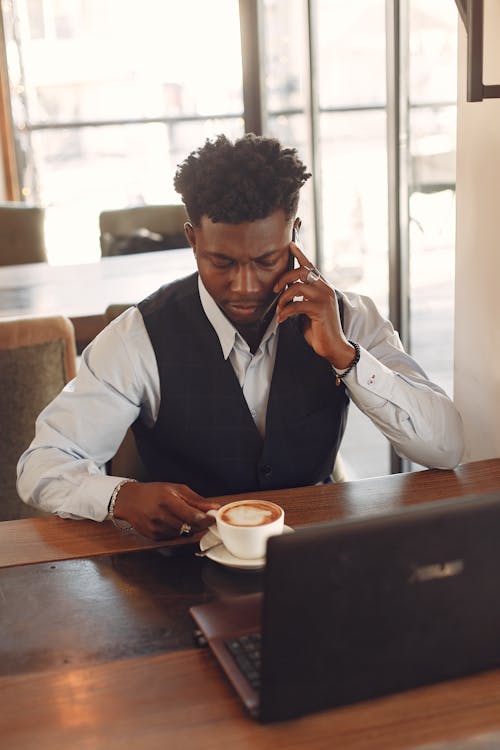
[(245, 280)]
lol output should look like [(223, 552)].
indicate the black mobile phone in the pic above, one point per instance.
[(291, 259), (290, 267)]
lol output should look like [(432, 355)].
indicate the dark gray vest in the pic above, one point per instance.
[(205, 436)]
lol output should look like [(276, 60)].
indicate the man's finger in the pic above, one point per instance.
[(303, 307), (313, 292), (192, 497), (186, 505), (297, 252)]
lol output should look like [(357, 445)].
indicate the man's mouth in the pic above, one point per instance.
[(244, 308), (245, 305)]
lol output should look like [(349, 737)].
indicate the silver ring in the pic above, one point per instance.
[(312, 276), (185, 529)]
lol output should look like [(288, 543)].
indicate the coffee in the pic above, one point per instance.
[(252, 513), (245, 526)]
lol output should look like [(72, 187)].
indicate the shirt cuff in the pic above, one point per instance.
[(92, 499), (370, 380)]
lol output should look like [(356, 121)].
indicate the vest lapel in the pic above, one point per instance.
[(285, 384)]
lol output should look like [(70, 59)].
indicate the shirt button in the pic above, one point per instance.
[(267, 470)]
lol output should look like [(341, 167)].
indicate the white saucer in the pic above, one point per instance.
[(221, 555)]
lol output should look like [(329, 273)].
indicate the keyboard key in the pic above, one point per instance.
[(245, 650)]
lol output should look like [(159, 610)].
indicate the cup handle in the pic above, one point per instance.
[(213, 528)]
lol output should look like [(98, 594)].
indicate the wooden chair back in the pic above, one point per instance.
[(22, 234), (142, 229), (37, 358)]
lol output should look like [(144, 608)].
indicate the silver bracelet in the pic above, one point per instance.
[(118, 522)]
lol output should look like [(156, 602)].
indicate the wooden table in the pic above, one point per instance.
[(96, 651), (82, 292)]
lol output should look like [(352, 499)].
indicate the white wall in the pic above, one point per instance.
[(477, 304)]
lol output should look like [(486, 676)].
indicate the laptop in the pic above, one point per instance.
[(358, 608)]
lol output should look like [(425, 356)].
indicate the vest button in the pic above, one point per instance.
[(267, 470)]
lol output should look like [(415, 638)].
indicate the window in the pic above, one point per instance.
[(432, 136), (107, 100), (346, 51)]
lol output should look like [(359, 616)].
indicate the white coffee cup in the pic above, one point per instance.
[(245, 526)]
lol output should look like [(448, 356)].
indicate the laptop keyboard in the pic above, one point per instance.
[(245, 650)]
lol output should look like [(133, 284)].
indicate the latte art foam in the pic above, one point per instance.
[(250, 514)]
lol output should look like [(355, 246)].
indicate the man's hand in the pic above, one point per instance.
[(158, 509), (321, 322)]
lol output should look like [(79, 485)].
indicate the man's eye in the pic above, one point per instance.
[(267, 262), (221, 263)]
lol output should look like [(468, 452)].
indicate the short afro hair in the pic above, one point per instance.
[(242, 181)]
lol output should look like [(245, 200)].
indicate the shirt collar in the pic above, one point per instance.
[(227, 334)]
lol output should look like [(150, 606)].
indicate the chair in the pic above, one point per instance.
[(114, 310), (142, 229), (340, 472), (37, 358), (22, 234)]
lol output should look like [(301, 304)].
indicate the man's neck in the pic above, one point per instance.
[(253, 334)]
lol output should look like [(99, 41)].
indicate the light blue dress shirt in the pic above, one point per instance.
[(63, 470)]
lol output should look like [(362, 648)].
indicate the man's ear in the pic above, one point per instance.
[(296, 226), (190, 234)]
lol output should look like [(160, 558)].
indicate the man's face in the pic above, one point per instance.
[(240, 263)]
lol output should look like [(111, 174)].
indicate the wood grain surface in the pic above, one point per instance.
[(182, 701), (95, 650), (34, 540)]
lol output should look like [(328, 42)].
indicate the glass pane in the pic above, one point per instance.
[(433, 80), (285, 43), (88, 170), (351, 50), (68, 17), (432, 139), (285, 65), (354, 200), (433, 51), (78, 63), (294, 131), (352, 156), (352, 84), (354, 181), (161, 63), (36, 19)]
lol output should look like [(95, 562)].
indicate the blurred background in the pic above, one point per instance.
[(108, 96)]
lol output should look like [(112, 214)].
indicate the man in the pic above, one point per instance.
[(236, 378)]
